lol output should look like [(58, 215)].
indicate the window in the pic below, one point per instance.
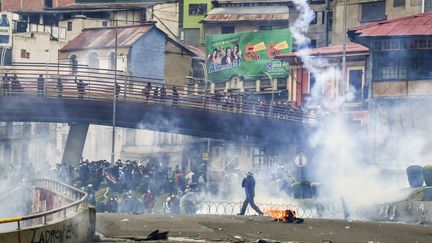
[(264, 27), (192, 36), (104, 23), (355, 84), (427, 5), (249, 84), (74, 64), (197, 9), (227, 29), (421, 67), (390, 68), (416, 3), (48, 3), (112, 58), (315, 19), (330, 20), (313, 44), (398, 3), (69, 27), (373, 11), (93, 60), (25, 54), (312, 82)]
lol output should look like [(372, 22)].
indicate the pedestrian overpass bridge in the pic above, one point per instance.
[(52, 93)]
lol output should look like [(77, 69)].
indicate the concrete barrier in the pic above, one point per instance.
[(404, 211), (76, 228)]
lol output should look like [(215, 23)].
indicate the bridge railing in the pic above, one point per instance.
[(77, 197), (61, 82)]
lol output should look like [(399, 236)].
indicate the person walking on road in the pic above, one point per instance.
[(248, 184)]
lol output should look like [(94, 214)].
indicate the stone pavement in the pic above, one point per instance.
[(213, 228)]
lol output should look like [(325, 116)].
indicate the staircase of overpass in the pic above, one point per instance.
[(58, 213)]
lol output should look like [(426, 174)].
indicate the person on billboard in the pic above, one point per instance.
[(213, 56), (237, 52), (228, 58)]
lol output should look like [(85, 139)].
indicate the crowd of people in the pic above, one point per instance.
[(219, 100), (130, 186)]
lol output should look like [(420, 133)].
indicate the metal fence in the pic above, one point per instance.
[(303, 208), (59, 81)]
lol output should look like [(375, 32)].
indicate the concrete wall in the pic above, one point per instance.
[(193, 21), (13, 5), (166, 16), (147, 57), (104, 60), (35, 47), (177, 65), (75, 229)]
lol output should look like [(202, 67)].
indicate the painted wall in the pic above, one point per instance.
[(193, 21), (166, 16), (147, 55), (75, 229), (177, 65), (38, 47)]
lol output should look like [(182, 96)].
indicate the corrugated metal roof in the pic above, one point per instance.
[(198, 51), (101, 38), (419, 24), (255, 13), (351, 48), (86, 6)]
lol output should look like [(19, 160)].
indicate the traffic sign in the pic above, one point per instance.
[(300, 160), (205, 156)]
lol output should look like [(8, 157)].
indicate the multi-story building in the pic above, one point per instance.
[(361, 12), (192, 12), (229, 16), (399, 78)]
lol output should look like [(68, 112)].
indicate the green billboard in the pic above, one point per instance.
[(249, 55)]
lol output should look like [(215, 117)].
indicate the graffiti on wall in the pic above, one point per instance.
[(64, 232)]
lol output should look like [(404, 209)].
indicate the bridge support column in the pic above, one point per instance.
[(75, 143)]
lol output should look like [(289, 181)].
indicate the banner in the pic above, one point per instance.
[(249, 55)]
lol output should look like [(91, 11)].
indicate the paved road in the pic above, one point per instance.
[(210, 228)]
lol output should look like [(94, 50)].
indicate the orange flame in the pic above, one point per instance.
[(277, 215)]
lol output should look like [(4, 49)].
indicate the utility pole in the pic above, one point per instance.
[(344, 73), (114, 96)]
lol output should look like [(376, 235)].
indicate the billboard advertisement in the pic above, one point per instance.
[(249, 55), (5, 29)]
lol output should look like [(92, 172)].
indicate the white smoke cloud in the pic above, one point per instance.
[(342, 164)]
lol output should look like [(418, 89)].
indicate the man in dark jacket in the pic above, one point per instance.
[(248, 184)]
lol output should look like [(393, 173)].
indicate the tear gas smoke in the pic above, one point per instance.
[(342, 163)]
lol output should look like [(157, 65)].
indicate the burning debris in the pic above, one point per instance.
[(284, 216)]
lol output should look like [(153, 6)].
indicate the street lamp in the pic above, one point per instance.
[(272, 87), (204, 66), (114, 97)]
